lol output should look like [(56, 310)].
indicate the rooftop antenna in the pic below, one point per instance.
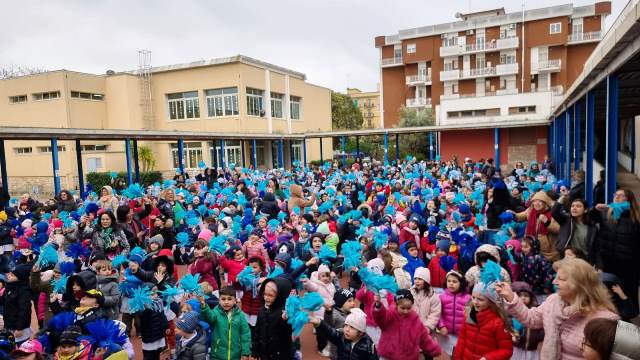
[(144, 82)]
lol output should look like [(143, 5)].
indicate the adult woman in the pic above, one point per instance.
[(107, 238), (64, 202), (574, 229), (498, 200), (167, 203), (107, 200), (538, 218), (131, 224), (580, 297), (619, 240)]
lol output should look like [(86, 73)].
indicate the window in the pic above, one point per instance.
[(184, 105), (555, 28), (473, 113), (295, 105), (94, 164), (450, 64), (260, 155), (47, 149), (232, 152), (192, 155), (397, 51), (411, 48), (508, 57), (480, 61), (18, 99), (222, 102), (50, 95), (516, 110), (87, 96), (23, 150), (296, 154), (276, 105), (508, 31), (577, 25), (450, 40), (93, 147), (254, 102)]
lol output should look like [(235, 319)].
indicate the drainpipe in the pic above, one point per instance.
[(522, 53)]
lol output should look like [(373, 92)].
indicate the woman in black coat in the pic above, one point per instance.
[(272, 339), (576, 230), (268, 206), (17, 301)]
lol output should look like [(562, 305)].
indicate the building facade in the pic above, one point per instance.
[(489, 67), (237, 95), (369, 105)]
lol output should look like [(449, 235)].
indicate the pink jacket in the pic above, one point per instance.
[(563, 328), (452, 316), (325, 290), (256, 249), (403, 337), (366, 298), (427, 307)]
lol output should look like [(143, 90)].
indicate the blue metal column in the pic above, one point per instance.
[(358, 147), (136, 162), (79, 165), (386, 148), (181, 156), (222, 154), (549, 141), (274, 157), (304, 152), (3, 167), (214, 156), (611, 165), (127, 153), (438, 139), (280, 154), (397, 147), (633, 145), (496, 146), (56, 166), (244, 164), (561, 138), (430, 146), (577, 145), (254, 154), (321, 159), (567, 168), (291, 152), (343, 143), (589, 143)]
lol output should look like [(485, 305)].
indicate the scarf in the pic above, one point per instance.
[(618, 208), (107, 238), (534, 227)]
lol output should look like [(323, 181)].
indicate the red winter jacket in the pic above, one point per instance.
[(407, 235), (232, 267), (487, 338), (403, 336), (438, 274), (206, 270)]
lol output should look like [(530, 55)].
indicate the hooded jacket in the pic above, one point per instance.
[(230, 337), (412, 262), (564, 225), (484, 337), (268, 206), (195, 349), (108, 286), (108, 202), (363, 349), (473, 274), (272, 339), (296, 199), (86, 279), (17, 300)]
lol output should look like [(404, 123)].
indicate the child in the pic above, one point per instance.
[(527, 340), (514, 249), (255, 246), (321, 283), (343, 303), (17, 300), (273, 333), (367, 300), (438, 274), (410, 251), (70, 347), (396, 324), (453, 301), (536, 270), (154, 324), (426, 302), (231, 337), (233, 263), (107, 284), (251, 302), (486, 333), (483, 254), (191, 340), (351, 342), (154, 245), (205, 263)]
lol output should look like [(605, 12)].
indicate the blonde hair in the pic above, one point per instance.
[(590, 293), (103, 264), (206, 287)]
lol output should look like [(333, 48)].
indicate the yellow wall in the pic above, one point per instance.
[(364, 97)]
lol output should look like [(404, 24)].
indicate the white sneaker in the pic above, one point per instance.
[(325, 352)]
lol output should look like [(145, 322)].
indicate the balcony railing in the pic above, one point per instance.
[(418, 79), (492, 45), (585, 36), (478, 72), (507, 69), (550, 65), (449, 75), (395, 61), (419, 102)]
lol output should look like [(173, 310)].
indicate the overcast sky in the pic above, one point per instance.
[(331, 41)]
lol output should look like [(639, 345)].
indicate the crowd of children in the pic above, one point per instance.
[(390, 261)]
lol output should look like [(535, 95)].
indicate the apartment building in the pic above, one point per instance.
[(368, 102), (236, 95), (489, 67)]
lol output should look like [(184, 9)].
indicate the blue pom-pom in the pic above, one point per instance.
[(104, 333), (490, 272), (67, 268), (375, 282), (48, 256), (448, 262), (191, 284), (60, 285), (140, 300), (326, 255), (351, 251), (61, 321), (119, 261)]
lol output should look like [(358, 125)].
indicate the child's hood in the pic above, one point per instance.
[(284, 289)]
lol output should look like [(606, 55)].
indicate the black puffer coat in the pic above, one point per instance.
[(154, 323), (273, 335), (364, 349), (620, 241)]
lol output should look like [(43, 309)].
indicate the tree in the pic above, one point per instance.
[(345, 115), (145, 156), (17, 71), (414, 143)]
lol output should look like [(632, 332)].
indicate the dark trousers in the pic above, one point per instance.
[(151, 354)]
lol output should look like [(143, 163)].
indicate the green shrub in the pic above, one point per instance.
[(100, 179)]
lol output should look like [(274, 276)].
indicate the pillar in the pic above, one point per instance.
[(496, 146), (589, 144), (386, 149), (358, 147), (397, 147), (304, 152), (214, 156), (3, 167), (254, 154), (430, 146), (244, 164), (280, 153), (127, 153), (222, 162), (136, 162), (343, 142), (577, 144), (181, 155), (79, 166), (56, 166), (567, 168), (611, 165), (321, 159)]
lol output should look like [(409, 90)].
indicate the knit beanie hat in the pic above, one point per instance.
[(157, 239), (188, 322), (3, 216), (423, 273), (205, 234), (341, 297), (323, 269), (486, 290), (70, 335), (357, 319), (443, 245), (136, 258), (323, 228)]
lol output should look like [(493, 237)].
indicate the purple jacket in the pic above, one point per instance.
[(452, 316)]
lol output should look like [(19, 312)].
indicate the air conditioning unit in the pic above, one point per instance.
[(470, 32)]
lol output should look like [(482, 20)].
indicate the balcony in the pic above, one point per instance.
[(478, 72), (413, 80), (583, 37), (492, 45), (507, 69), (419, 102), (449, 75), (389, 62), (549, 65)]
